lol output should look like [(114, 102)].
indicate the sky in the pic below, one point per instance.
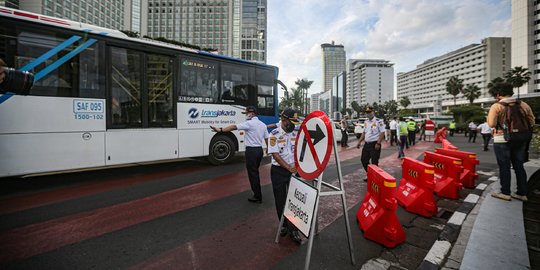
[(405, 32)]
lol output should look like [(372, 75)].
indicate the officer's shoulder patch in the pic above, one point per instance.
[(273, 141)]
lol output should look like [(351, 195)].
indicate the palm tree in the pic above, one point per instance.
[(518, 76), (491, 85), (404, 102), (454, 86), (471, 92), (303, 85)]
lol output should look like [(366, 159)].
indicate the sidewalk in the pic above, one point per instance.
[(493, 234)]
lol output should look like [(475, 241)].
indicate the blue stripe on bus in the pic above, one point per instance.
[(50, 53), (62, 60)]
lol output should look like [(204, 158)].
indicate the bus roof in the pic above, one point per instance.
[(88, 28)]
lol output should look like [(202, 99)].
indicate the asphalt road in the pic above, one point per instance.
[(191, 215)]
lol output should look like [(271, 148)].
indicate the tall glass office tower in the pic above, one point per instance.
[(235, 28)]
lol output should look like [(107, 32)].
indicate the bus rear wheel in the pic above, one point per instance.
[(221, 150)]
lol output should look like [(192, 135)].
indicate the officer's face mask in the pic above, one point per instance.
[(289, 127), (370, 116), (249, 116)]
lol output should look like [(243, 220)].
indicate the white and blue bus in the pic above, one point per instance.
[(103, 99)]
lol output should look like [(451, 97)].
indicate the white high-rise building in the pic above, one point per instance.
[(314, 102), (526, 43), (369, 81), (235, 28), (136, 16), (106, 13), (333, 63), (476, 64)]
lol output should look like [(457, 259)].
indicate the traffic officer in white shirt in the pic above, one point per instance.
[(373, 136), (485, 130), (281, 144), (256, 135)]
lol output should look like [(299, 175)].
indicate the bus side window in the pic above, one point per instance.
[(79, 76), (198, 80), (265, 91), (236, 85)]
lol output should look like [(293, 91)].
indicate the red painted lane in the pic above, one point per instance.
[(19, 203), (248, 244), (258, 250), (42, 237)]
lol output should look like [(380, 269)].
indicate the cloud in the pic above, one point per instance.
[(405, 32)]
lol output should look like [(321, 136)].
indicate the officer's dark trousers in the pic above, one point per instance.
[(369, 152), (393, 136), (280, 184), (412, 138), (254, 156)]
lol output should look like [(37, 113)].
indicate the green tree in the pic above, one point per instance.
[(471, 92), (303, 85), (356, 107), (129, 33), (404, 102), (491, 85), (454, 86), (391, 107), (518, 76)]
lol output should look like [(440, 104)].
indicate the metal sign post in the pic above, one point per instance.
[(317, 153)]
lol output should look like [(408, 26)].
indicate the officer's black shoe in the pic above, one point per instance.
[(295, 236), (283, 231), (255, 200)]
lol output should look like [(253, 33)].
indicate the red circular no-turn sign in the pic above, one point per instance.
[(313, 145)]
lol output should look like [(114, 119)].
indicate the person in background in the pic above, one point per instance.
[(452, 127), (373, 135), (402, 134), (412, 131), (485, 130), (344, 136), (256, 134), (281, 144), (509, 153), (472, 131), (393, 131), (386, 129)]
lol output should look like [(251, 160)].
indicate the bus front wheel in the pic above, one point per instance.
[(221, 150)]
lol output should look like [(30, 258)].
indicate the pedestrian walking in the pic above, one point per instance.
[(402, 133), (256, 135), (472, 131), (281, 144), (386, 130), (344, 136), (485, 130), (393, 131), (512, 121), (373, 135)]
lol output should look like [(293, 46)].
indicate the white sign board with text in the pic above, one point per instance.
[(300, 205)]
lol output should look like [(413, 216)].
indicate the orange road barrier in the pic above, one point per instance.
[(446, 144), (468, 176), (415, 192), (377, 214), (441, 134), (447, 173)]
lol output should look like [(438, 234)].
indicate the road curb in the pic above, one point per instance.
[(441, 248)]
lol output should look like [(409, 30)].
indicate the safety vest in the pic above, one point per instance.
[(412, 125), (403, 128), (452, 125)]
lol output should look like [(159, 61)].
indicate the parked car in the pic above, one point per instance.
[(359, 127), (351, 125), (337, 132)]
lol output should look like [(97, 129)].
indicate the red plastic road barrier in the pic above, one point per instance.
[(447, 172), (469, 176), (415, 192), (441, 134), (446, 144), (377, 214)]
